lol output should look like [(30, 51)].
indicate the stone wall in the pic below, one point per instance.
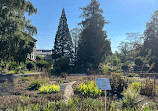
[(6, 84)]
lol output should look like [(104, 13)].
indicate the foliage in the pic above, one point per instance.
[(130, 95), (117, 85), (42, 64), (93, 43), (30, 65), (138, 62), (148, 88), (61, 65), (75, 34), (125, 49), (16, 32), (35, 85), (49, 89), (88, 89), (135, 86), (150, 47), (74, 104), (64, 75), (38, 58), (63, 42), (105, 69), (125, 68), (17, 67), (59, 80)]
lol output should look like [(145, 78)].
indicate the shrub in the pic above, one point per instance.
[(30, 65), (61, 65), (38, 58), (105, 69), (136, 86), (64, 75), (88, 89), (117, 85), (42, 64), (34, 86), (138, 62), (125, 68), (49, 89), (137, 68), (147, 88), (130, 96), (59, 80), (115, 62)]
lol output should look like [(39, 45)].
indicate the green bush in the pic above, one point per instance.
[(38, 58), (136, 86), (59, 80), (105, 69), (125, 68), (34, 86), (64, 75), (138, 62), (30, 65), (49, 89), (88, 89), (130, 96), (148, 88), (61, 65), (117, 85), (42, 64)]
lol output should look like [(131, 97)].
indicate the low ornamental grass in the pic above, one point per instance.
[(48, 89), (88, 89), (74, 104)]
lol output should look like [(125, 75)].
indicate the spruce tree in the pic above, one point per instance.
[(93, 43), (63, 42)]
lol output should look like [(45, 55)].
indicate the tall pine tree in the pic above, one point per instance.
[(150, 46), (93, 43), (63, 42)]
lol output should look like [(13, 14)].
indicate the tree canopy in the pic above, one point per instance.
[(16, 31), (93, 43), (63, 43)]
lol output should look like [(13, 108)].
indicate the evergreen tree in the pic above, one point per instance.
[(150, 46), (63, 42), (93, 43)]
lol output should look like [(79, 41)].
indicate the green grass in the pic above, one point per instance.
[(11, 72), (26, 72)]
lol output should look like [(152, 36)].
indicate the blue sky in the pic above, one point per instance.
[(124, 16)]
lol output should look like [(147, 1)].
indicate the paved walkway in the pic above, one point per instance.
[(68, 93)]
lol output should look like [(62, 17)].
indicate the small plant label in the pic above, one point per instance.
[(62, 87), (103, 84)]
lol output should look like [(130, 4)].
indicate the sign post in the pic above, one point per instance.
[(103, 84), (62, 88)]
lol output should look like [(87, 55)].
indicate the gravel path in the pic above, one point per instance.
[(68, 93)]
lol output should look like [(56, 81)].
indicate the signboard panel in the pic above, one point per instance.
[(62, 87), (103, 84)]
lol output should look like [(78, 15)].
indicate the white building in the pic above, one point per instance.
[(32, 56), (45, 54)]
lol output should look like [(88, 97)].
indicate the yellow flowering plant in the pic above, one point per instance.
[(88, 89), (49, 89)]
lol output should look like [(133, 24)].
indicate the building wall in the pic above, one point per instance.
[(32, 56), (45, 54)]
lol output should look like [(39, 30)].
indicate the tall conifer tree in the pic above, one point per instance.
[(93, 43), (63, 42)]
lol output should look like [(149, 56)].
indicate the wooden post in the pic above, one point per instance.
[(105, 100)]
